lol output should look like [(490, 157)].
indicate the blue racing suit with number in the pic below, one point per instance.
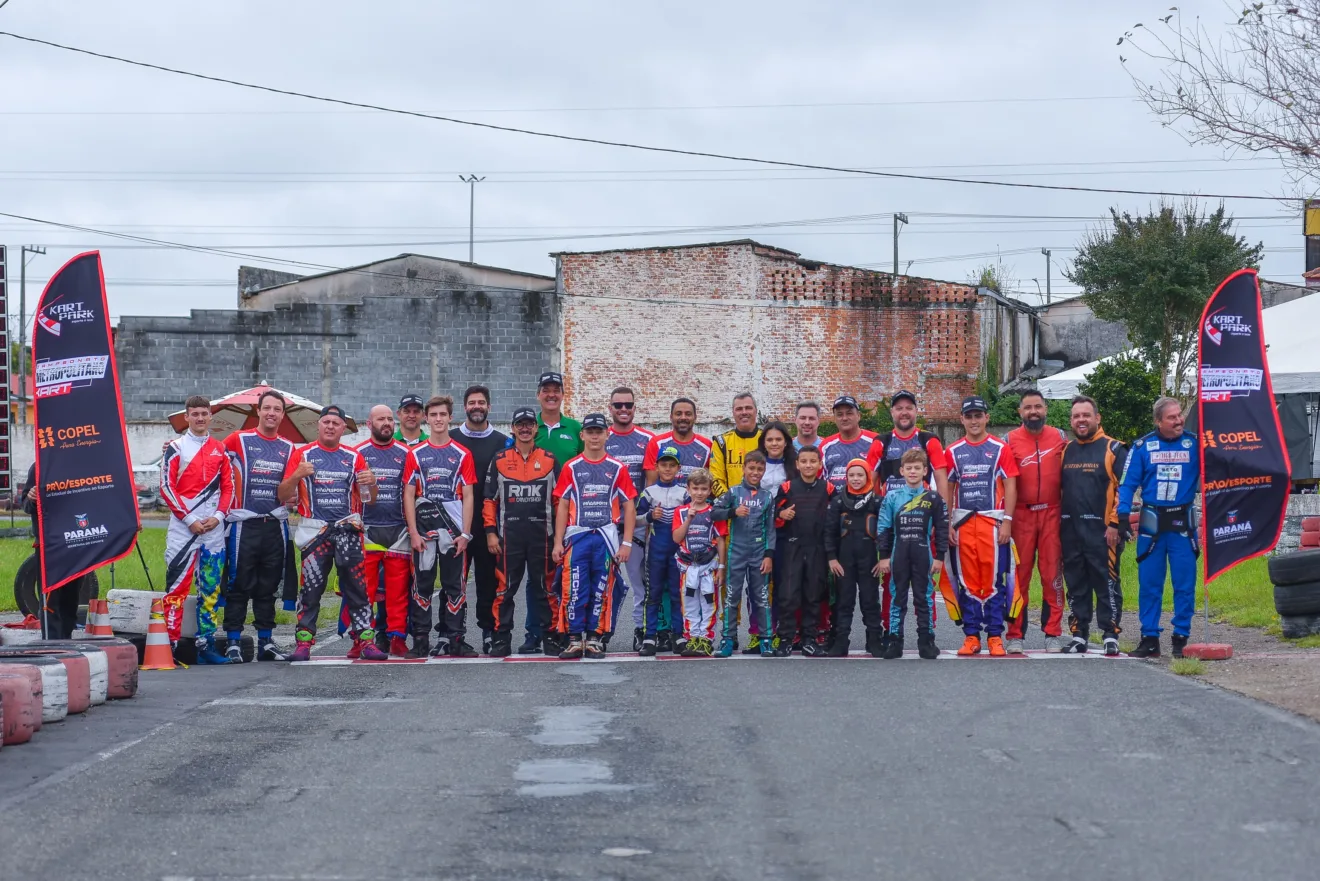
[(1168, 474)]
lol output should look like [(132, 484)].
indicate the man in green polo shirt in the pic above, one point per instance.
[(410, 415), (556, 433)]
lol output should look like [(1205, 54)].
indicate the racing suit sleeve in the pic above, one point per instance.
[(768, 523), (724, 506), (939, 528), (1114, 462), (169, 473), (1134, 473), (226, 490), (719, 467), (781, 502), (833, 527), (884, 528), (489, 510)]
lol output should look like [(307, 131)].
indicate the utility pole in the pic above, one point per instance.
[(1046, 252), (34, 250), (471, 180), (898, 218)]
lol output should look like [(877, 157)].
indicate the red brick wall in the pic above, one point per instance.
[(716, 320)]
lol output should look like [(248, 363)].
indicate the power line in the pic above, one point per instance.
[(623, 144)]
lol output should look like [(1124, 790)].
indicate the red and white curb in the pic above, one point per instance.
[(637, 659)]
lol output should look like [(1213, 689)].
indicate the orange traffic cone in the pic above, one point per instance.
[(98, 611), (158, 654)]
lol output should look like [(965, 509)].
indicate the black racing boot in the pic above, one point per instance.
[(838, 648), (461, 649), (1111, 645), (875, 644), (926, 646), (421, 648), (664, 641), (782, 649), (1179, 643), (893, 647), (383, 641), (812, 649), (1149, 647), (501, 645), (531, 645), (553, 644), (487, 641), (638, 635)]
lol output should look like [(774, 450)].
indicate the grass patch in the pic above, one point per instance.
[(1188, 666)]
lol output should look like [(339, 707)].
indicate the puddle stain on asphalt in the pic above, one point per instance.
[(571, 726), (566, 777)]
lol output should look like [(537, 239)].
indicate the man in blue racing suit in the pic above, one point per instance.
[(1165, 466)]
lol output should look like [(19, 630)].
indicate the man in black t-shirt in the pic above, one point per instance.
[(484, 443)]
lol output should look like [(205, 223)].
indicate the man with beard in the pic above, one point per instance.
[(386, 534), (627, 443), (1037, 449), (1091, 532), (411, 416), (693, 449), (485, 443), (259, 554)]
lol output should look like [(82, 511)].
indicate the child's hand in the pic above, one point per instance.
[(658, 512), (767, 566), (787, 514), (881, 568), (717, 578), (741, 511), (837, 568), (557, 555)]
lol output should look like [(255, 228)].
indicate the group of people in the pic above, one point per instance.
[(584, 513)]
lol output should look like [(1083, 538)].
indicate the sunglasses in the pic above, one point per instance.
[(622, 405)]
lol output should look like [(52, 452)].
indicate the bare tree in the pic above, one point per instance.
[(1255, 88)]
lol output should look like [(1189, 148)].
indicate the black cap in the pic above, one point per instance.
[(523, 414), (846, 401), (334, 410), (900, 395), (973, 403), (594, 420), (411, 401), (550, 377)]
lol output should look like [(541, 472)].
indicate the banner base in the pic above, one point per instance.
[(1208, 651)]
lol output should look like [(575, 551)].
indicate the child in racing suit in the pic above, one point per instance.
[(749, 511), (655, 509), (914, 537), (851, 551), (700, 539)]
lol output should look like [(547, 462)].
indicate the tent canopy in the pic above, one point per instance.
[(1292, 340)]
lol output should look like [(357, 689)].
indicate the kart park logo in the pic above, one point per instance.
[(53, 317), (84, 532), (1217, 325), (1233, 529)]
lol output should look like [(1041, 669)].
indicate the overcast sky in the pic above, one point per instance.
[(1018, 91)]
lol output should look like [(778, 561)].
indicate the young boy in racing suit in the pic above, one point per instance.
[(850, 548), (700, 539), (655, 508), (914, 537), (801, 580), (750, 513)]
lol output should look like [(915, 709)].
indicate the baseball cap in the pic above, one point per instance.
[(846, 401), (974, 402), (523, 414), (900, 395), (334, 410), (594, 420), (670, 452), (550, 377), (411, 401)]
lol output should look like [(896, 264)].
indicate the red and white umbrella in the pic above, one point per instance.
[(239, 410)]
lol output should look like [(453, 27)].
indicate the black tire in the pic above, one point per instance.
[(25, 587), (1297, 599), (1298, 626), (1298, 567)]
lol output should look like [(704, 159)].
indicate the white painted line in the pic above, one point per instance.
[(629, 658), (283, 701), (627, 852)]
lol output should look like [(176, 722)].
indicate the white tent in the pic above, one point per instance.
[(1292, 339)]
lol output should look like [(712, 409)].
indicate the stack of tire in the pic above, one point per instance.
[(1296, 579), (46, 681)]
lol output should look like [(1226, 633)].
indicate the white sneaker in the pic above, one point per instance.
[(1053, 644), (1013, 646)]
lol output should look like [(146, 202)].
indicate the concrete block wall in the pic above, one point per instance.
[(349, 354), (712, 321)]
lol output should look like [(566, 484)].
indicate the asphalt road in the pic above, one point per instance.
[(798, 769)]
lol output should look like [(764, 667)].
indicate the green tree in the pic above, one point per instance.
[(1155, 273), (1124, 389)]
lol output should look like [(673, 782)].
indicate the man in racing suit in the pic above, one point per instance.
[(595, 494), (388, 549), (442, 471), (1091, 533), (1037, 449), (518, 517), (913, 541), (197, 485), (329, 481), (982, 489), (750, 511), (627, 442), (1165, 466), (259, 550)]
